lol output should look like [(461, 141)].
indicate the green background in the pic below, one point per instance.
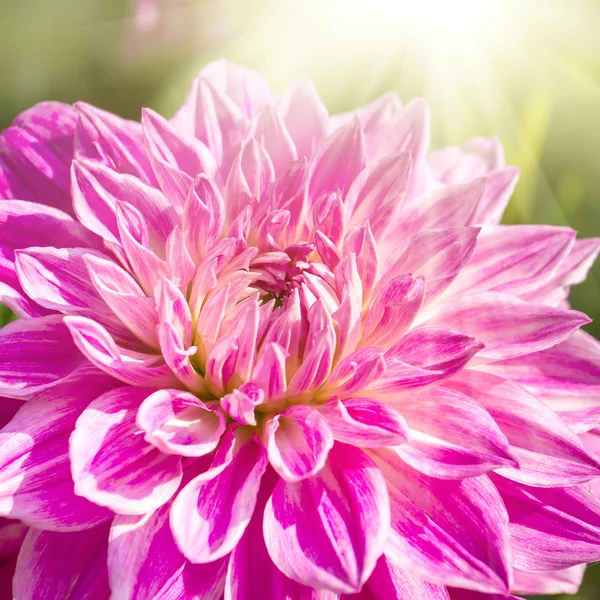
[(528, 71)]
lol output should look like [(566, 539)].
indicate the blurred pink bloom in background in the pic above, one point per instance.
[(267, 353)]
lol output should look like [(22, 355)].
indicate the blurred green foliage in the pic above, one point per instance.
[(530, 75)]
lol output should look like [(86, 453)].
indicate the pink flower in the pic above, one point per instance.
[(266, 353)]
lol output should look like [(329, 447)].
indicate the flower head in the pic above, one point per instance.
[(268, 353)]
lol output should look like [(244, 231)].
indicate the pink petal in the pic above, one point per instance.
[(387, 581), (112, 465), (175, 158), (134, 368), (514, 259), (178, 423), (360, 241), (377, 194), (242, 85), (450, 436), (269, 372), (393, 310), (298, 441), (507, 326), (566, 376), (211, 512), (451, 532), (565, 581), (444, 208), (24, 224), (328, 531), (423, 356), (357, 371), (250, 175), (124, 297), (548, 452), (203, 215), (251, 573), (43, 573), (338, 161), (35, 476), (364, 422), (118, 143), (551, 529), (35, 155), (215, 119), (144, 562), (147, 267), (240, 404), (305, 116), (436, 255), (37, 353), (499, 186), (272, 133), (98, 190), (58, 278)]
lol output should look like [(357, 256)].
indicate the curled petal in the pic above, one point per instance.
[(178, 423), (298, 441)]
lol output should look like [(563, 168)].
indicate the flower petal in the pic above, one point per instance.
[(551, 529), (364, 422), (35, 155), (451, 532), (36, 353), (297, 441), (450, 435), (328, 531), (144, 562), (43, 573), (508, 326), (178, 423), (548, 452), (211, 512), (134, 368), (35, 476), (112, 465)]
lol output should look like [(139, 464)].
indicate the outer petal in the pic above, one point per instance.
[(387, 581), (35, 477), (96, 344), (455, 533), (565, 581), (567, 376), (551, 529), (35, 155), (24, 224), (69, 566), (450, 436), (548, 452), (103, 137), (305, 116), (298, 441), (145, 564), (36, 353), (112, 465), (210, 514), (178, 423), (251, 573), (507, 326), (514, 259), (329, 530)]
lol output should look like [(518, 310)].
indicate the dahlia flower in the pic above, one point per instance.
[(267, 353)]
